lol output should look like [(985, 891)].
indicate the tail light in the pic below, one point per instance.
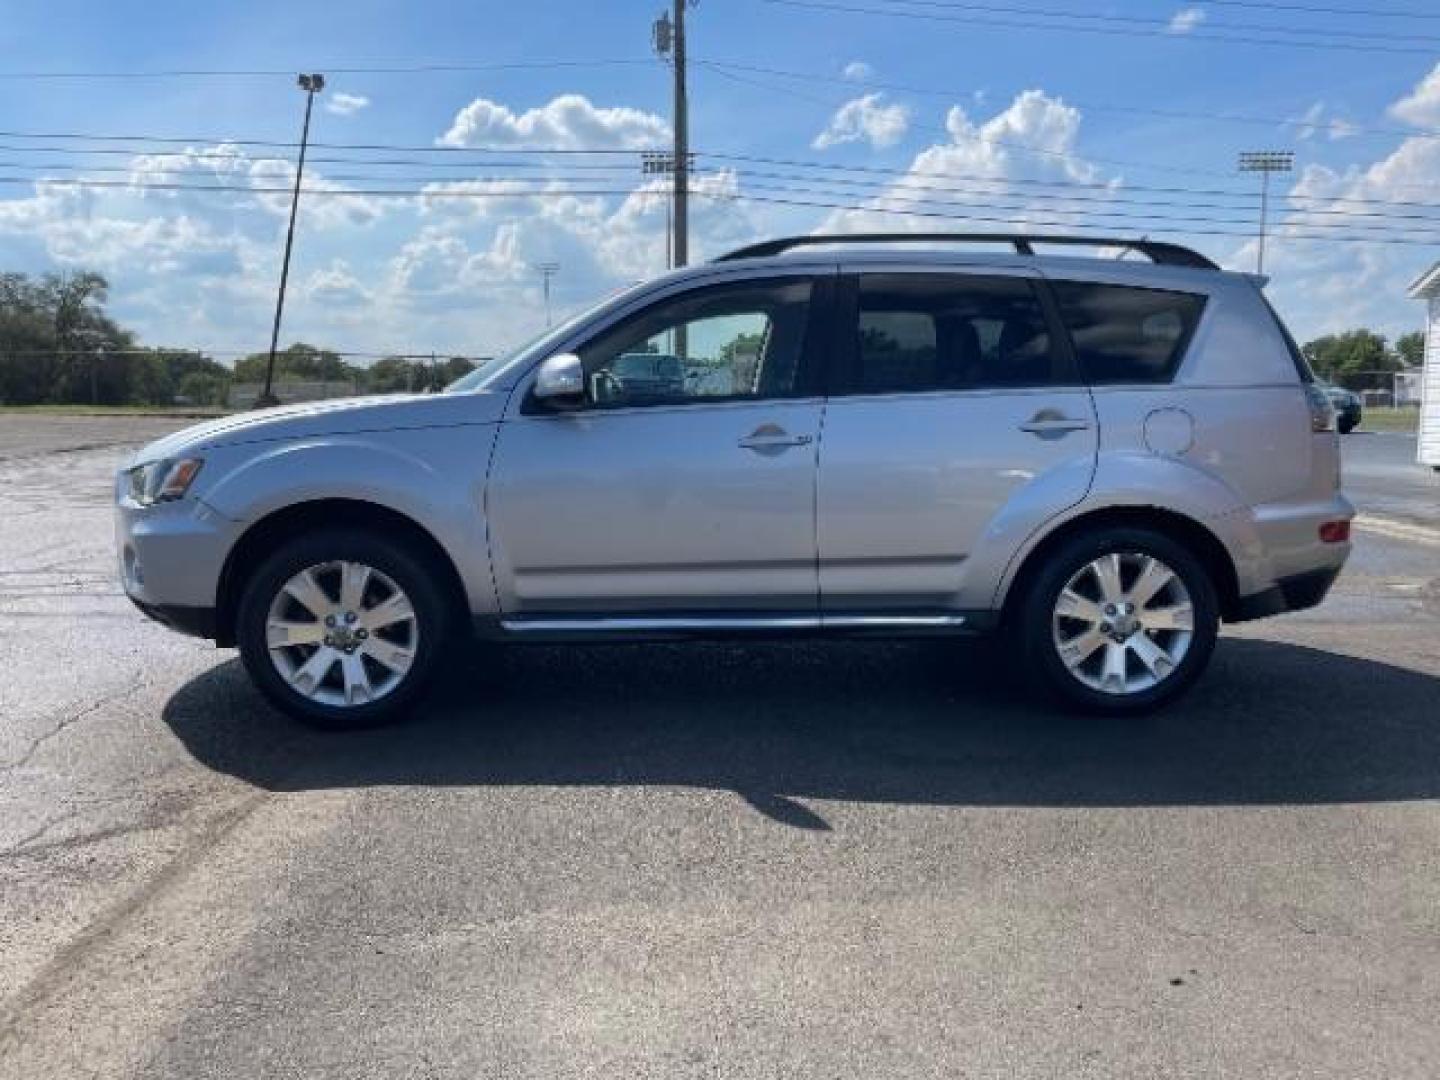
[(1322, 413), (1335, 532)]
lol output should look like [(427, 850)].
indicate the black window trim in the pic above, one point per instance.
[(1182, 346), (809, 372), (843, 372)]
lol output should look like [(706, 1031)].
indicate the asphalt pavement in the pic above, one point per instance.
[(838, 859)]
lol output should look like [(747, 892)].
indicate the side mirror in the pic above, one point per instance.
[(560, 381)]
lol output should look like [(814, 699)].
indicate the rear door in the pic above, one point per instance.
[(955, 420)]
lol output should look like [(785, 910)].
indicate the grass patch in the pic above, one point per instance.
[(1383, 419)]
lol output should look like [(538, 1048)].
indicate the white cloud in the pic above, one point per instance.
[(1313, 121), (1034, 138), (1324, 286), (343, 104), (336, 284), (1421, 106), (1186, 20), (865, 119), (569, 121), (857, 71)]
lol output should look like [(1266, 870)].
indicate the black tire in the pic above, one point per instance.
[(1346, 426), (406, 568), (1036, 624)]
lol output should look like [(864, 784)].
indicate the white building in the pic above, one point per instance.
[(1427, 287)]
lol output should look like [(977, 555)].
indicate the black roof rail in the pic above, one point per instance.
[(1159, 251)]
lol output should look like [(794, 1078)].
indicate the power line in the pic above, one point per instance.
[(901, 182), (1158, 24), (176, 140), (988, 140), (902, 185), (1135, 110), (1042, 151), (1031, 222), (1378, 233), (1122, 214), (1371, 12), (1024, 24), (398, 68)]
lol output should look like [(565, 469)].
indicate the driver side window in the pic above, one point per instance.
[(726, 342)]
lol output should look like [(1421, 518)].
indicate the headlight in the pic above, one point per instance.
[(163, 481)]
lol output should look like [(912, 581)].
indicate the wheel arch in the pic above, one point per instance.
[(264, 535), (1181, 528)]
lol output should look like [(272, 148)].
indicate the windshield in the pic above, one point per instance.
[(500, 370)]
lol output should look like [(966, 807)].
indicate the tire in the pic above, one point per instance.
[(1346, 426), (363, 671), (1160, 658)]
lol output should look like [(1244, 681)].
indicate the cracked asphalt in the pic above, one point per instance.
[(807, 860)]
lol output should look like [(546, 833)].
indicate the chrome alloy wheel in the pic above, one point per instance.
[(1123, 623), (342, 633)]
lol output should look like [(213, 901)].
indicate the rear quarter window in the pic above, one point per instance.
[(1126, 334)]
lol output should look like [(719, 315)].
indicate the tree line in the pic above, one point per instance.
[(1363, 359), (58, 346)]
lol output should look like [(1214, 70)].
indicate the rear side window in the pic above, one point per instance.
[(1124, 334), (920, 332)]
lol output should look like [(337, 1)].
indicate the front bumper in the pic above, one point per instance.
[(194, 622), (170, 559)]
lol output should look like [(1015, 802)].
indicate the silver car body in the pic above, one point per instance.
[(887, 510)]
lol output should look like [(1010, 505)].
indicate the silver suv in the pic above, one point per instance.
[(873, 435)]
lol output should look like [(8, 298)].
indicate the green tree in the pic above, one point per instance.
[(1411, 348), (299, 361), (1336, 356)]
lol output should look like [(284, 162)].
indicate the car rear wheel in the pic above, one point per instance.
[(342, 630), (1119, 621)]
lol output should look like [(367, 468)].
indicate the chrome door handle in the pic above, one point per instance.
[(1053, 422), (770, 438)]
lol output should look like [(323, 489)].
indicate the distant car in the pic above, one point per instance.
[(1099, 460), (1346, 405), (647, 376)]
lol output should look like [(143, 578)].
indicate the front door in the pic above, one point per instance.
[(957, 427), (686, 482)]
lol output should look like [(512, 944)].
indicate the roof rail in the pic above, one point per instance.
[(1159, 251)]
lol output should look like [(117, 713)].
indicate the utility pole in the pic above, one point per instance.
[(547, 271), (312, 85), (669, 34), (659, 163), (1265, 162)]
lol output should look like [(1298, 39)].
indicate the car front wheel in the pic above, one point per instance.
[(342, 630), (1119, 621)]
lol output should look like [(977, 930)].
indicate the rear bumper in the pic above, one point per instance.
[(1295, 593)]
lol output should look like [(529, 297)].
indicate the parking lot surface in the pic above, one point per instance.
[(848, 859)]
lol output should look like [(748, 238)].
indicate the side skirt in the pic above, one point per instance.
[(710, 626)]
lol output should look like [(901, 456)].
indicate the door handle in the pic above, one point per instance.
[(770, 438), (1053, 422)]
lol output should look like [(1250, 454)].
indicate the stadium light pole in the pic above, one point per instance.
[(1265, 162), (312, 84), (547, 271)]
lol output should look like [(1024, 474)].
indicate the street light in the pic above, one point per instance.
[(1265, 162), (312, 84), (547, 271)]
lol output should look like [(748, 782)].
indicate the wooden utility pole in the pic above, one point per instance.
[(681, 251)]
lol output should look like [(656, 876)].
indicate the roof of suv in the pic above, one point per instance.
[(1167, 262)]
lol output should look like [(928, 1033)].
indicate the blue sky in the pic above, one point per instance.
[(923, 106)]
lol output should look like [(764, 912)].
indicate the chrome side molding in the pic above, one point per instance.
[(721, 625)]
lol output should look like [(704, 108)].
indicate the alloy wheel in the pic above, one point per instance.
[(342, 633), (1123, 623)]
